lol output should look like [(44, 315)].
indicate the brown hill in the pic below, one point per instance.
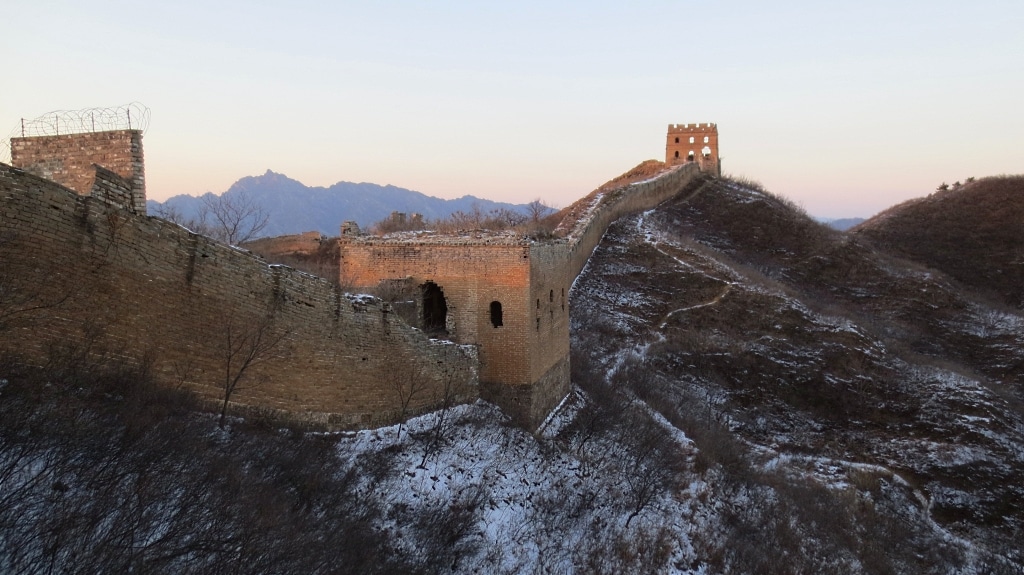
[(974, 233), (728, 304)]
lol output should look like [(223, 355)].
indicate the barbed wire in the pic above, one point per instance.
[(133, 116)]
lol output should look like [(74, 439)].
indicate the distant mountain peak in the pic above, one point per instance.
[(295, 207)]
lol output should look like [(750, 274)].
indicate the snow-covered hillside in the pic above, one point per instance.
[(753, 393)]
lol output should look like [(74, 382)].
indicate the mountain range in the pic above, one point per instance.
[(294, 207)]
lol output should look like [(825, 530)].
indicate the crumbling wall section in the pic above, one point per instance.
[(69, 160), (472, 276), (88, 275)]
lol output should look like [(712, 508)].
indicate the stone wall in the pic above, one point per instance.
[(69, 160), (142, 289), (616, 203), (524, 361), (305, 243)]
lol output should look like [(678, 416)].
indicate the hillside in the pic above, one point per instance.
[(295, 208), (754, 393), (974, 233)]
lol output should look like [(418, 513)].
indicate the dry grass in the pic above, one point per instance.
[(974, 233)]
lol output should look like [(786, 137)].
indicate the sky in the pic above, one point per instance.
[(846, 108)]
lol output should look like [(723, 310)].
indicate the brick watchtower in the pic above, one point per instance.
[(693, 143)]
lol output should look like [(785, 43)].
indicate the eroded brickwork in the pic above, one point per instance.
[(69, 159), (147, 290), (524, 361), (141, 288)]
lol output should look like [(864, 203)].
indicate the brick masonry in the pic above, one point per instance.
[(141, 288), (70, 159), (524, 362), (101, 274)]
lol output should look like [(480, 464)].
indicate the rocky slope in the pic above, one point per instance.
[(754, 393)]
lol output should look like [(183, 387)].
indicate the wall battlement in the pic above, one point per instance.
[(692, 128)]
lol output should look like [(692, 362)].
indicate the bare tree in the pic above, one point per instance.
[(452, 378), (407, 382), (233, 219), (536, 210), (242, 343)]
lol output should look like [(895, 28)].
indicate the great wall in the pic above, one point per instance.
[(85, 268)]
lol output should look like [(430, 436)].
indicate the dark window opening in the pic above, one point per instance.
[(435, 309), (496, 313), (677, 140), (538, 304), (538, 324), (551, 296), (690, 157), (677, 153)]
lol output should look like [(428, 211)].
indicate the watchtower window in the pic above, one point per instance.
[(705, 139), (691, 139), (677, 153), (690, 157), (706, 151), (496, 313), (435, 309), (677, 140)]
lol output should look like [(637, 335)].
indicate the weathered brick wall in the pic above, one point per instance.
[(619, 202), (471, 277), (140, 287), (68, 159), (110, 188), (304, 243), (524, 362)]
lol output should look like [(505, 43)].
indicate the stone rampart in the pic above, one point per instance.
[(87, 275), (613, 204)]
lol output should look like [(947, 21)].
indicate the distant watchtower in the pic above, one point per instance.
[(693, 143)]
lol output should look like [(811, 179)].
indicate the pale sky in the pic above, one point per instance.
[(846, 108)]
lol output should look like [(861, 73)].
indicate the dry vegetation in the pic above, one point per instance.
[(755, 393), (533, 221), (973, 232), (759, 327)]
